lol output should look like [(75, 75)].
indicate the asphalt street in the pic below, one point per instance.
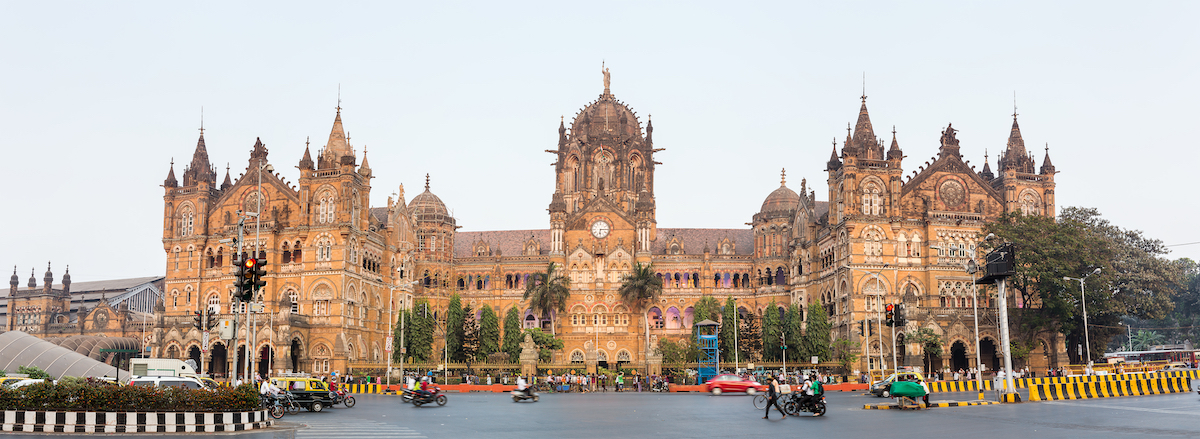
[(684, 415)]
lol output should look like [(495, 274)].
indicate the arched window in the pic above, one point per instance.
[(872, 199), (295, 299), (186, 221), (577, 356), (1031, 204), (327, 208), (214, 304)]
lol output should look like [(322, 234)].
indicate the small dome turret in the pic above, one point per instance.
[(427, 207)]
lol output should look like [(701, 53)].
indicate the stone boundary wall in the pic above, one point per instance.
[(131, 422)]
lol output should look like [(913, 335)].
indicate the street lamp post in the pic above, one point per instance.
[(879, 324), (973, 268), (1083, 299)]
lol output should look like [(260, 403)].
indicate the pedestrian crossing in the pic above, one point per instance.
[(357, 429)]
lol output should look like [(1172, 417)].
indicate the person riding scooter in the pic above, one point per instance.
[(524, 387)]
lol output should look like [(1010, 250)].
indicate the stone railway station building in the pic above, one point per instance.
[(339, 269)]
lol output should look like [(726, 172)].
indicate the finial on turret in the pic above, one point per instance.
[(783, 177), (426, 182), (1014, 105)]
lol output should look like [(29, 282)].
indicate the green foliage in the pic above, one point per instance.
[(816, 339), (640, 287), (79, 394), (1143, 340), (470, 337), (489, 332), (931, 343), (678, 354), (772, 328), (547, 343), (399, 332), (512, 333), (419, 328), (793, 328), (1135, 279), (454, 327), (729, 324), (750, 338), (34, 372), (548, 292), (845, 353)]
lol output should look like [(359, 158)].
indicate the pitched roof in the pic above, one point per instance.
[(508, 242), (694, 240)]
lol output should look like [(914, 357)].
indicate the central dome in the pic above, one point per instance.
[(427, 207), (606, 118), (782, 199)]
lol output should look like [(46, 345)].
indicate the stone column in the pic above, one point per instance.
[(529, 356)]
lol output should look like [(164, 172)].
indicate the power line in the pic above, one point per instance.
[(1178, 245), (1119, 327)]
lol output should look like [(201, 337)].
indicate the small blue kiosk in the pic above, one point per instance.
[(710, 356)]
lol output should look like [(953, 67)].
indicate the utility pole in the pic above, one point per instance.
[(241, 228)]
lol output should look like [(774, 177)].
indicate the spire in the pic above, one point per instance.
[(987, 169), (48, 279), (1015, 157), (783, 176), (864, 135), (426, 182), (562, 131), (227, 183), (894, 152), (171, 181), (32, 280), (834, 162), (337, 146), (306, 162), (66, 281), (365, 169), (14, 281), (1047, 167), (258, 155), (649, 131), (199, 170)]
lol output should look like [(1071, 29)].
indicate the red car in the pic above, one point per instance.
[(732, 383)]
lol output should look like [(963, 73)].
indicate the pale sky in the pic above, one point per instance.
[(96, 98)]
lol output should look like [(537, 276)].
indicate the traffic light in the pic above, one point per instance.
[(246, 272), (238, 280), (211, 321), (260, 270), (197, 320), (889, 315), (901, 315), (861, 327)]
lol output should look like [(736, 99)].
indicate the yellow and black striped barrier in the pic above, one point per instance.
[(1108, 388), (958, 386), (1026, 383), (932, 404), (364, 388)]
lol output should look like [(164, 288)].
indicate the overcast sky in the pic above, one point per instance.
[(97, 98)]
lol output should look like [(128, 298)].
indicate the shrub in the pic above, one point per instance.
[(34, 372), (94, 395)]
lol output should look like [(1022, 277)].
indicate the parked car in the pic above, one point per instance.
[(22, 382), (5, 381), (882, 389), (311, 393), (732, 383), (167, 381)]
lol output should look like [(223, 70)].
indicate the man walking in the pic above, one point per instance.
[(773, 399)]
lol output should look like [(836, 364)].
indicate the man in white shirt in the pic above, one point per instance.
[(268, 389), (523, 386)]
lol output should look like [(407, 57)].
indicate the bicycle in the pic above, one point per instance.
[(760, 401)]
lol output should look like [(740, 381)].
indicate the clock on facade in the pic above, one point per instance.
[(600, 229)]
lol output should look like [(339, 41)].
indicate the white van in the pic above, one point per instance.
[(160, 367), (167, 381)]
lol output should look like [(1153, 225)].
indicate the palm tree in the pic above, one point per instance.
[(548, 292), (639, 289)]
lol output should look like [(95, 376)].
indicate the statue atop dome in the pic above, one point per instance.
[(607, 77)]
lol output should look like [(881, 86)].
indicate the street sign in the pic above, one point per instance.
[(387, 345), (204, 343), (815, 359)]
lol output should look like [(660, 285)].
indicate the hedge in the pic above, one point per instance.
[(77, 394)]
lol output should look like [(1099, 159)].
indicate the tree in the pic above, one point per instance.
[(1135, 280), (419, 332), (793, 329), (816, 339), (750, 339), (726, 335), (454, 327), (400, 332), (489, 332), (547, 292), (1143, 340), (34, 372), (772, 328), (930, 342), (546, 343), (707, 308), (638, 290), (470, 337), (512, 334), (845, 353)]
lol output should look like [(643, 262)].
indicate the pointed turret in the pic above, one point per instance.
[(562, 132), (13, 283), (306, 162), (650, 131), (171, 181), (338, 145), (864, 134), (32, 280), (986, 174), (227, 183), (834, 163), (894, 152), (1015, 157), (66, 281), (258, 154), (365, 169), (199, 171), (48, 279), (1047, 167)]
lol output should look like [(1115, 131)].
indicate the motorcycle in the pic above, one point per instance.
[(519, 395), (433, 396), (339, 397), (794, 407)]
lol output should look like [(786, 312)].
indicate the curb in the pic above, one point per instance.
[(934, 404)]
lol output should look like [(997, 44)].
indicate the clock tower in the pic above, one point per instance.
[(603, 202)]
